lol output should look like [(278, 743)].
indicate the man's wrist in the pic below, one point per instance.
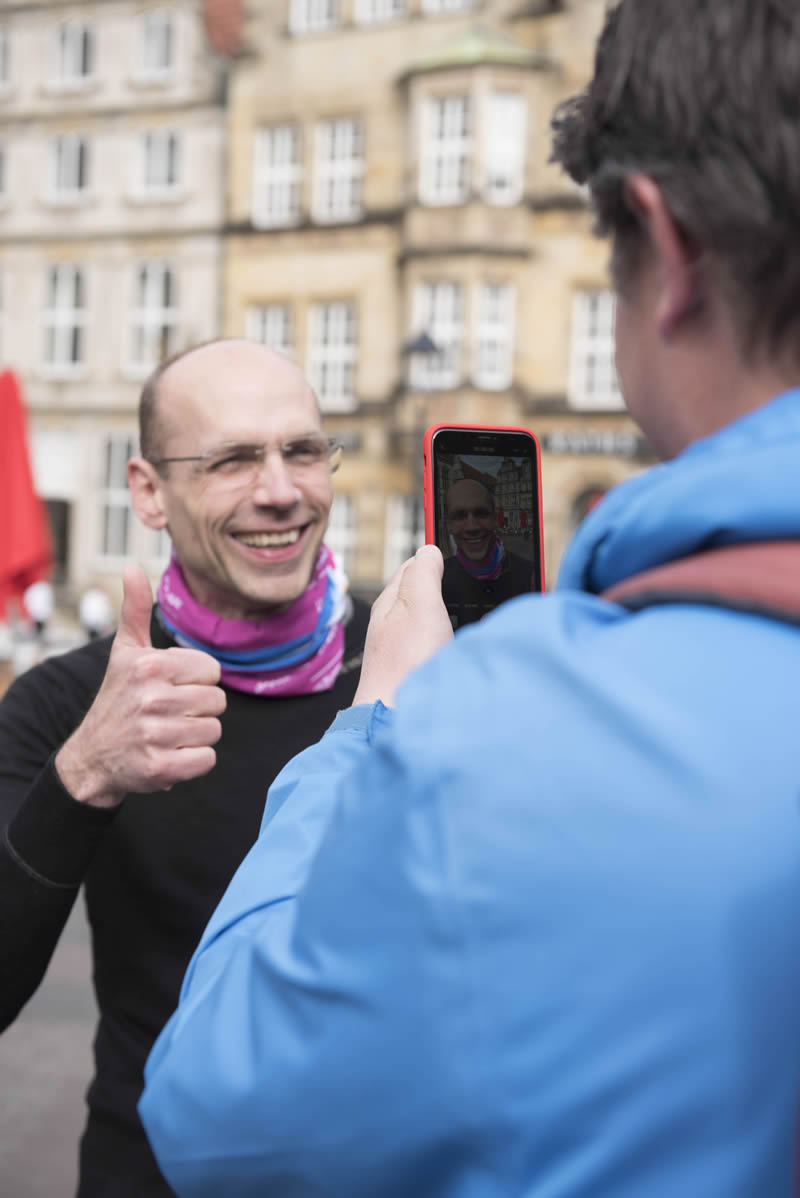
[(82, 782)]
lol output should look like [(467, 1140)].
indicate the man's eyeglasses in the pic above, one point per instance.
[(239, 464), (462, 513)]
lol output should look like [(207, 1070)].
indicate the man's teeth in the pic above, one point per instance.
[(268, 540)]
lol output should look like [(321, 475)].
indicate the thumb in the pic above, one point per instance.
[(421, 580), (431, 561), (137, 607), (425, 570)]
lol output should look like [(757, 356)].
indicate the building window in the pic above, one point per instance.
[(160, 547), (404, 533), (64, 319), (494, 336), (339, 169), (72, 54), (371, 12), (309, 16), (435, 6), (277, 176), (115, 507), (59, 518), (154, 317), (593, 379), (504, 148), (271, 324), (444, 165), (439, 311), (156, 48), (341, 535), (332, 351), (5, 60), (160, 162), (70, 167)]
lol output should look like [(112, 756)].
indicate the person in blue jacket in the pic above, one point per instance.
[(526, 922)]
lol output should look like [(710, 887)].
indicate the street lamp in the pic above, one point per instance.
[(420, 348)]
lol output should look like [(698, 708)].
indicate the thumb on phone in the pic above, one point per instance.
[(137, 608)]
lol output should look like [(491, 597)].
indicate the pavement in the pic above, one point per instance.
[(45, 1067), (46, 1055)]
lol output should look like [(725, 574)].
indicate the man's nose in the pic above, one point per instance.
[(275, 485)]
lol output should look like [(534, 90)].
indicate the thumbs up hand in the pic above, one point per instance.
[(154, 719)]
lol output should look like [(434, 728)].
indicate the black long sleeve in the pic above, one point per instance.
[(47, 840), (152, 872)]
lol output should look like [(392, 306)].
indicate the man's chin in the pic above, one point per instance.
[(278, 592)]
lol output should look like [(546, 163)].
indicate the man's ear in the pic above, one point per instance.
[(147, 496), (681, 282)]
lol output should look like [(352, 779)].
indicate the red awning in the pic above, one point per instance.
[(25, 554)]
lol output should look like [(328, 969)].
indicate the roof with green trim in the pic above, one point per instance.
[(476, 47)]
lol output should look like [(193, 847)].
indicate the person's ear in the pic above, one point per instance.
[(147, 493), (681, 280)]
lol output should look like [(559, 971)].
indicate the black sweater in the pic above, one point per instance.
[(153, 870)]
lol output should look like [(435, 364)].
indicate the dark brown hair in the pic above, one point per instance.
[(703, 96)]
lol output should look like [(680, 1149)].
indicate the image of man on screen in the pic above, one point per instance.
[(482, 572)]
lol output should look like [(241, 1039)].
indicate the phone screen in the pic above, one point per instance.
[(485, 494)]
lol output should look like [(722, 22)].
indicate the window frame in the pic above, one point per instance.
[(113, 497), (444, 371), (499, 340), (515, 151), (309, 16), (257, 320), (379, 12), (339, 356), (63, 321), (145, 72), (441, 151), (73, 38), (69, 155), (155, 144), (6, 80), (592, 344), (399, 542), (335, 173), (432, 8), (277, 176), (341, 535), (151, 321)]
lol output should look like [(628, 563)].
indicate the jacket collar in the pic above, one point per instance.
[(742, 483)]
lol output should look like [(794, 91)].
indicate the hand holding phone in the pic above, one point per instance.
[(406, 627), (483, 510)]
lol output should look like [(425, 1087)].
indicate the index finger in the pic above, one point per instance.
[(191, 666)]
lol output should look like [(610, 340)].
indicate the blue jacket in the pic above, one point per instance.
[(536, 932)]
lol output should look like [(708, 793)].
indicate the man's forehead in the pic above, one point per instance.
[(468, 486), (234, 396), (222, 363)]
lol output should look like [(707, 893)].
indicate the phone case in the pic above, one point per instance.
[(427, 474)]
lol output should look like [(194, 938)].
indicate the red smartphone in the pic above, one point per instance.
[(483, 508)]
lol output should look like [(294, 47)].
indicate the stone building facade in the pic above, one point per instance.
[(349, 181), (389, 187), (111, 215)]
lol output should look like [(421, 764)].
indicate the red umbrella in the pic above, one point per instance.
[(25, 554)]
